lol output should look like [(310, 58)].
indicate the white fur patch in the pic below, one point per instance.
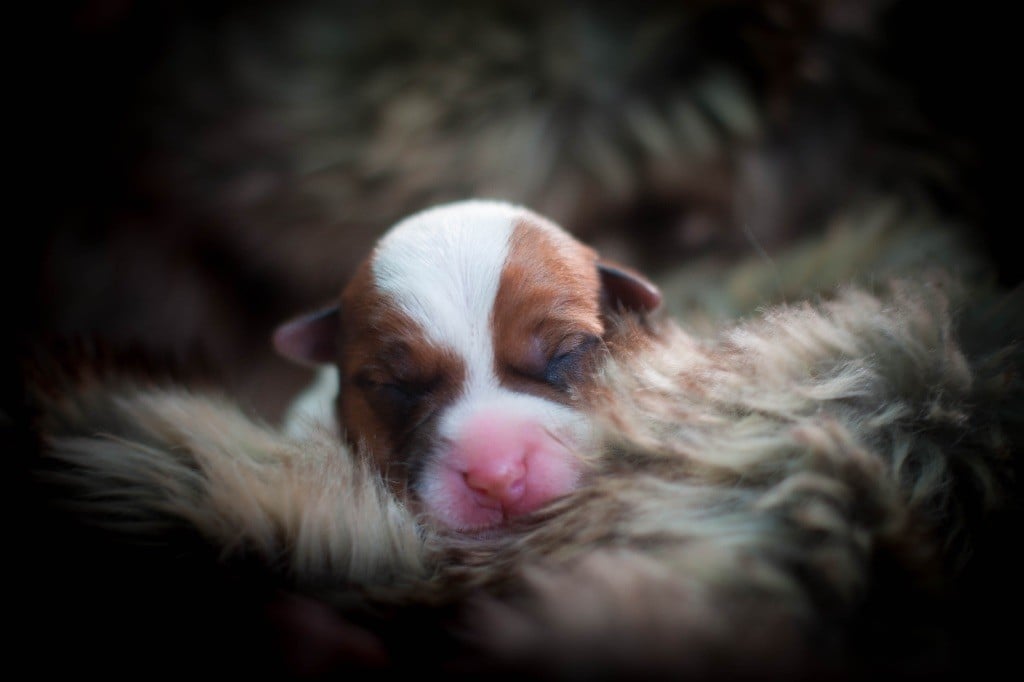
[(314, 407), (567, 425), (443, 267)]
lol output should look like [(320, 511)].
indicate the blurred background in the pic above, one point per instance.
[(209, 168)]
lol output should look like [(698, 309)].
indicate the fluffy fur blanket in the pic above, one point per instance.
[(823, 488)]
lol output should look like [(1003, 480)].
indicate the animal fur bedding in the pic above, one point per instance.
[(824, 488)]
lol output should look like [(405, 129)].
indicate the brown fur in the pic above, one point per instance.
[(380, 345), (548, 292)]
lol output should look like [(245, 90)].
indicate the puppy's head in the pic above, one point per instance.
[(466, 344)]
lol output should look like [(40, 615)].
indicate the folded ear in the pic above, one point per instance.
[(311, 339), (626, 289)]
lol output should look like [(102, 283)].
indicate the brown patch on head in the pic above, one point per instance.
[(546, 320), (393, 381)]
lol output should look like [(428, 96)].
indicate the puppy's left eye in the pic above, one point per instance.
[(572, 361), (402, 394), (395, 396)]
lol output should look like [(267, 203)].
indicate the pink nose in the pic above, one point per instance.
[(495, 455), (501, 478), (500, 465)]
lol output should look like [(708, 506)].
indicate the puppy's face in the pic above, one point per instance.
[(466, 345)]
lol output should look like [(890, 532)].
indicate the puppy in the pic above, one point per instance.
[(465, 348)]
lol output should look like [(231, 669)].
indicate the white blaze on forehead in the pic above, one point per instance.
[(442, 268)]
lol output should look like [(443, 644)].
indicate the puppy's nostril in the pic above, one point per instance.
[(516, 489), (504, 484)]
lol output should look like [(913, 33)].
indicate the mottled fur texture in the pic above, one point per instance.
[(778, 500)]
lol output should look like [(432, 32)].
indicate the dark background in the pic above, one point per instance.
[(199, 171)]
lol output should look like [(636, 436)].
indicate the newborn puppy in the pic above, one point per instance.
[(465, 346)]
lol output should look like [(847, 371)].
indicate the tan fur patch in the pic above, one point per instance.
[(546, 301)]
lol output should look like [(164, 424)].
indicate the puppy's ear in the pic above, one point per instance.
[(626, 289), (311, 339)]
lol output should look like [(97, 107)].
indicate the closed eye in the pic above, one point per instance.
[(400, 392), (394, 395), (569, 367)]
